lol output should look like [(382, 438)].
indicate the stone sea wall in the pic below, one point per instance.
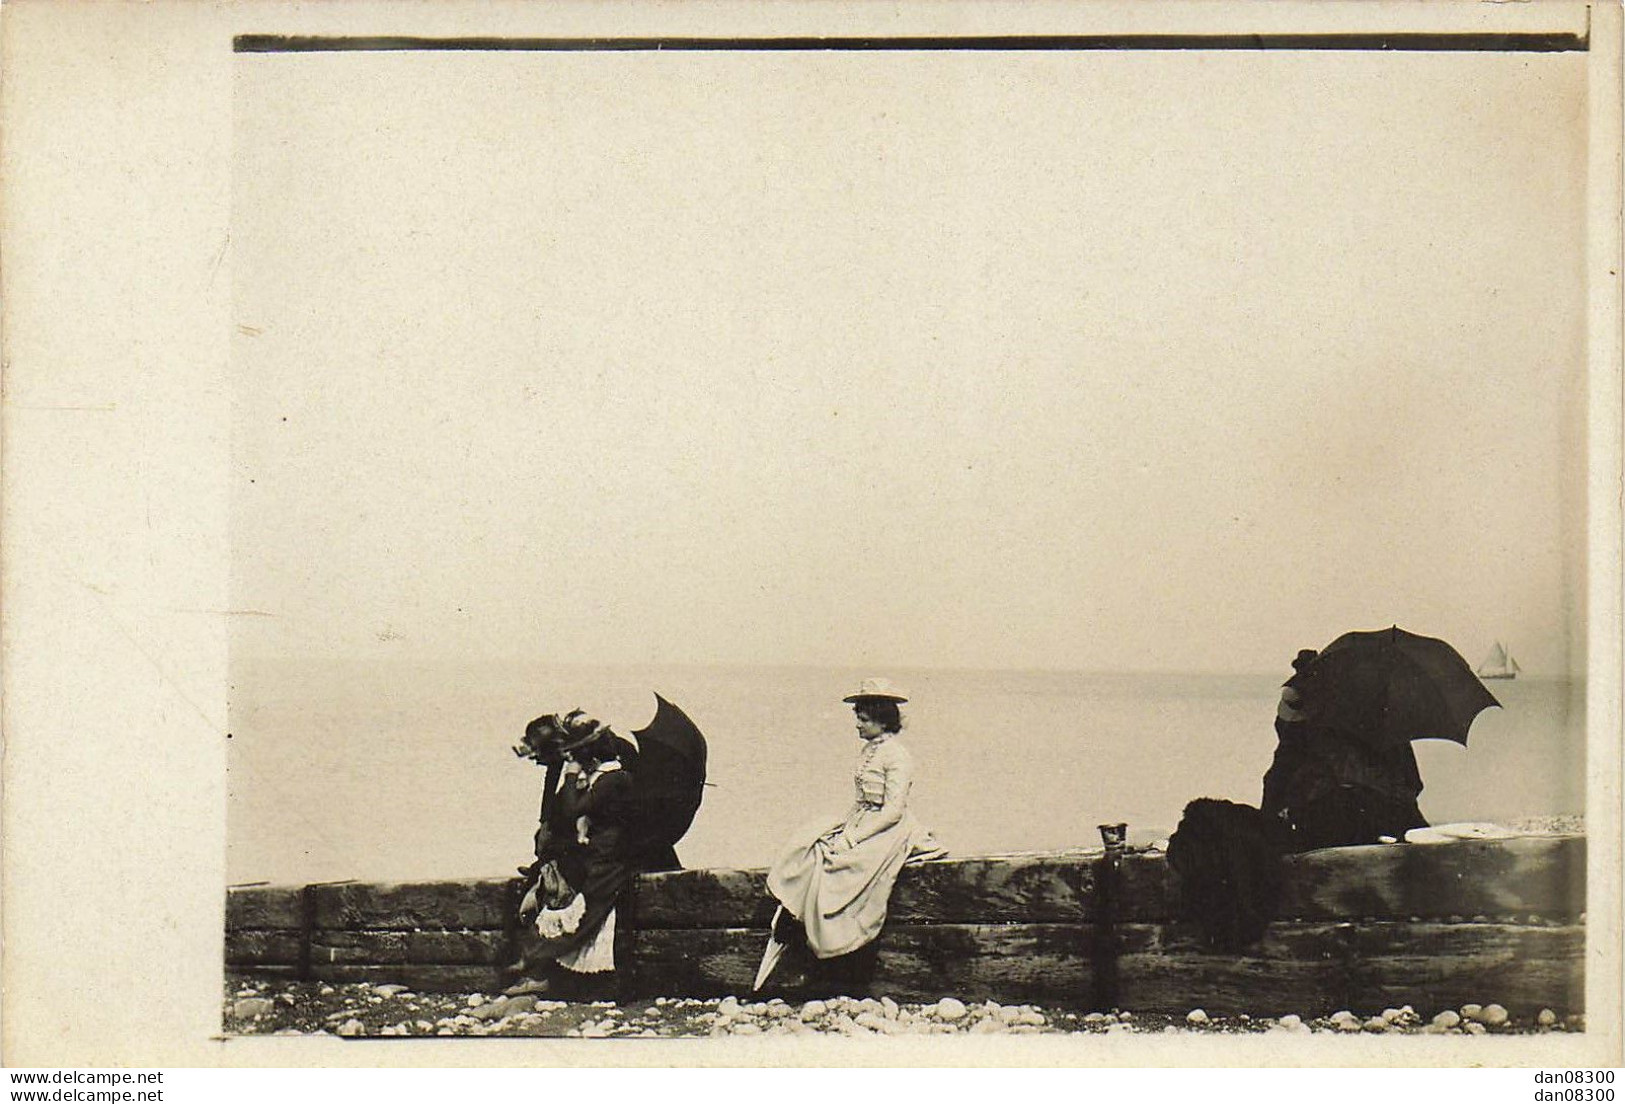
[(1361, 928)]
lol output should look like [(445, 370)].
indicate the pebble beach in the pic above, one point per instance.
[(267, 1007)]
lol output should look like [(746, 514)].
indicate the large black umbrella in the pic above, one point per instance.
[(1391, 686), (670, 774)]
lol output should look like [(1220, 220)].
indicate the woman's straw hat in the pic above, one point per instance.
[(877, 689)]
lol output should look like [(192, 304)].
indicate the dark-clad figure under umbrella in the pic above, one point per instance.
[(1343, 774), (1344, 771)]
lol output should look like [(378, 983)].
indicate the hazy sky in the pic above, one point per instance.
[(1100, 361)]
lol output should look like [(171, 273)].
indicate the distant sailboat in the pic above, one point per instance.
[(1499, 664)]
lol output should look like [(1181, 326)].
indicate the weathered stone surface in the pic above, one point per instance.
[(1542, 875), (1448, 966), (262, 948), (914, 962), (263, 907), (378, 948), (1037, 888), (448, 906), (1539, 875), (1228, 985), (1294, 968), (382, 948), (1017, 928)]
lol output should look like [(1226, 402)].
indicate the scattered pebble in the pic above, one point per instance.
[(394, 1010), (249, 1007)]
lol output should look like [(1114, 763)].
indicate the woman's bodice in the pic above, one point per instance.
[(883, 773)]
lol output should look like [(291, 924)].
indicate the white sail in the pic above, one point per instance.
[(1498, 664)]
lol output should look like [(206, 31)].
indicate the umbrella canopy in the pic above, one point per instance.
[(670, 773), (1391, 686)]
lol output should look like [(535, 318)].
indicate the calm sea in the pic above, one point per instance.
[(397, 772)]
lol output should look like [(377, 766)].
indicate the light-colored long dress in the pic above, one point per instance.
[(839, 883)]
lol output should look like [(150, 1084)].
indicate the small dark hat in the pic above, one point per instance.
[(542, 741), (1304, 658), (579, 730)]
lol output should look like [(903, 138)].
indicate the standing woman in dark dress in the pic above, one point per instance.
[(588, 860)]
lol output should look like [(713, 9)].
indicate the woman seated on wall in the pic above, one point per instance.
[(834, 883), (1325, 787), (1330, 788)]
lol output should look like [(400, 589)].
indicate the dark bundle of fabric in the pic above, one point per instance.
[(1228, 860)]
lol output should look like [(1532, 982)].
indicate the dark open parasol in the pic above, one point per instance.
[(670, 775), (1392, 686)]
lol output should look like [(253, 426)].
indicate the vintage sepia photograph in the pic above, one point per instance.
[(1038, 536), (824, 535)]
